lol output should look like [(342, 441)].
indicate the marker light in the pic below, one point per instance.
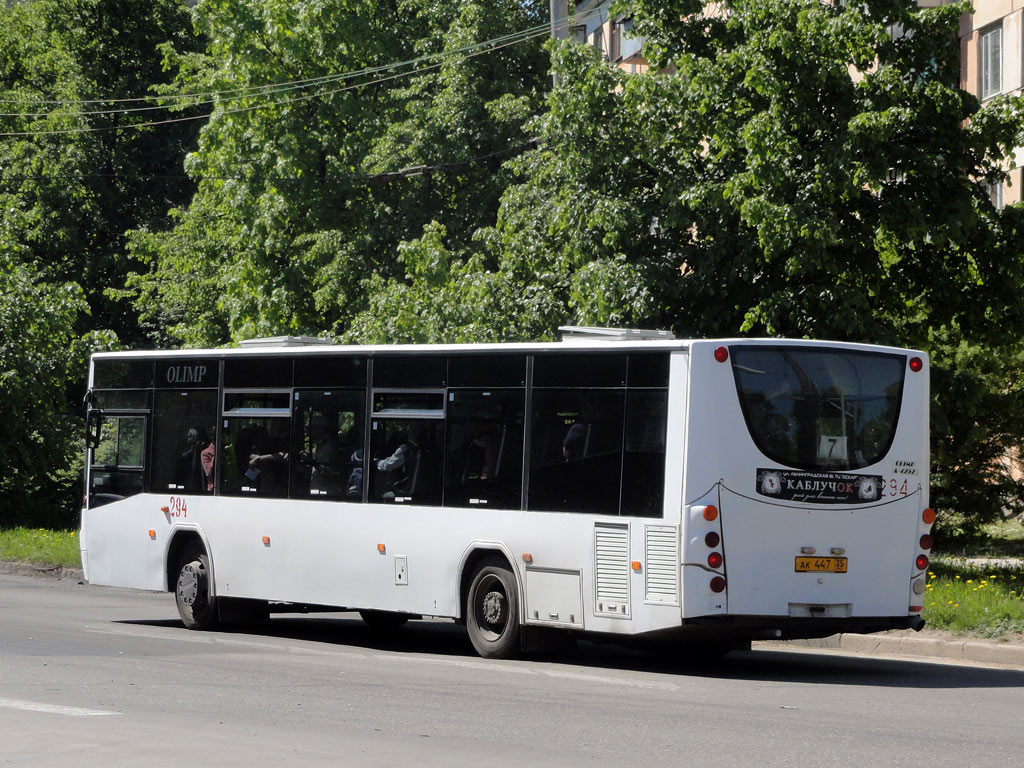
[(926, 541), (152, 534), (928, 516), (266, 541), (712, 539), (721, 354), (916, 364), (710, 513), (381, 548), (717, 584), (921, 562), (636, 566), (527, 557), (715, 559)]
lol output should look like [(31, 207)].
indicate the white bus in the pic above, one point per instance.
[(610, 484)]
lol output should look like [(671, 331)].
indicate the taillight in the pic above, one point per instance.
[(717, 584), (721, 354), (712, 539), (921, 562), (715, 559)]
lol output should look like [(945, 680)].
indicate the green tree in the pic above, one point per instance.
[(70, 159), (74, 176), (305, 193)]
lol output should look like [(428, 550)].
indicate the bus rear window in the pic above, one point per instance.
[(819, 409)]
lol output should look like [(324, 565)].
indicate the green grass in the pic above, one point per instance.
[(962, 598), (40, 546)]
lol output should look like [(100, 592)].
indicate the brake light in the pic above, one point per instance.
[(715, 559), (916, 364), (921, 562), (721, 354)]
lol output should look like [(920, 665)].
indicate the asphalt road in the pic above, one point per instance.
[(92, 676)]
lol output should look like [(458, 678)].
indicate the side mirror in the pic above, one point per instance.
[(92, 428)]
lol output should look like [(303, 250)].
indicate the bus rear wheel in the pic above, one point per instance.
[(198, 610), (492, 611)]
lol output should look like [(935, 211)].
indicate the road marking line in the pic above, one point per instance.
[(53, 709)]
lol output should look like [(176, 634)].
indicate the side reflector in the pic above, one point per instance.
[(710, 512), (721, 354), (914, 609), (928, 516), (717, 584)]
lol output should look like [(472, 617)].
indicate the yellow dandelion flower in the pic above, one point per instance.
[(931, 576), (957, 577)]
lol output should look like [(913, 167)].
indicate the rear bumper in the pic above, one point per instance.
[(794, 628)]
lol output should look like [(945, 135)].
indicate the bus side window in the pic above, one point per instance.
[(484, 451), (327, 445), (643, 462), (576, 450), (407, 459), (117, 458), (184, 424)]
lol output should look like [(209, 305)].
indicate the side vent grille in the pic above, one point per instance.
[(662, 545), (611, 548)]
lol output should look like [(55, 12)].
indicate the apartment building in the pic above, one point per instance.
[(992, 63)]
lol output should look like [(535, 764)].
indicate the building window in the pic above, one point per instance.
[(990, 44), (995, 194)]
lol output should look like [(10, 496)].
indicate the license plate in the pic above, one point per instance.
[(821, 565)]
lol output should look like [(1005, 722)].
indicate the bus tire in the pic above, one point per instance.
[(383, 621), (197, 608), (492, 611)]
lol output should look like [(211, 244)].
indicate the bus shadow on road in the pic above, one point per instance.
[(445, 638)]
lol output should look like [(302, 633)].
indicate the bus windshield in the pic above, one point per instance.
[(819, 409)]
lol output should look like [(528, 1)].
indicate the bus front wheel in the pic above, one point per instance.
[(492, 611), (192, 592)]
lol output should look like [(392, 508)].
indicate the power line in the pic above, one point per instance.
[(282, 102), (181, 101)]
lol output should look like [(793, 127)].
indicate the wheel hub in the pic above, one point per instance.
[(188, 584), (494, 608)]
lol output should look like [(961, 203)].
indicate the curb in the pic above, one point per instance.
[(43, 571), (968, 649)]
